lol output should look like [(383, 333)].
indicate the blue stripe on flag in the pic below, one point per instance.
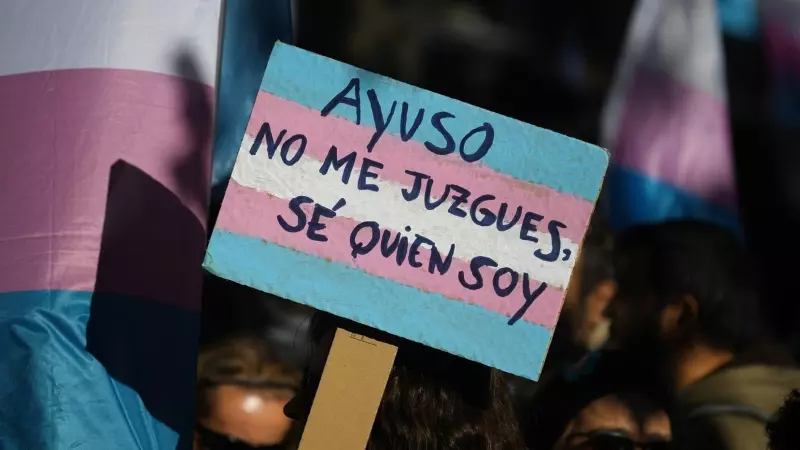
[(739, 18), (95, 372), (251, 28), (636, 199)]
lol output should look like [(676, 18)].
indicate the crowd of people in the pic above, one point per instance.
[(660, 345), (666, 338)]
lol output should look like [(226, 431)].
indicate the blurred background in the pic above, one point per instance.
[(692, 98), (551, 64), (122, 124)]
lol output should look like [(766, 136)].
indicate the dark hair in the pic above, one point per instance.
[(782, 430), (670, 260), (245, 361), (559, 400), (597, 255), (436, 401)]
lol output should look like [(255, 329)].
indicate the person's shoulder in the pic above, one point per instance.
[(782, 429), (727, 410), (722, 432), (739, 432), (749, 389)]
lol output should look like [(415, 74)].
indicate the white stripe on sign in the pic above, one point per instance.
[(148, 35), (390, 210)]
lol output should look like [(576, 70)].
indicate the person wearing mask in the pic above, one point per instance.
[(615, 406), (433, 400), (241, 391), (783, 430), (686, 300)]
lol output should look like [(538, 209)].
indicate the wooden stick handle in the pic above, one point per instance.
[(349, 393)]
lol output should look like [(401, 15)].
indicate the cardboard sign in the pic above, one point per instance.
[(349, 393), (406, 211)]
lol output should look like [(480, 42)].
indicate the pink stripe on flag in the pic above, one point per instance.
[(677, 134), (64, 132), (398, 156), (784, 49), (252, 213)]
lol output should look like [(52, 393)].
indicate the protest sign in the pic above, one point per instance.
[(406, 211)]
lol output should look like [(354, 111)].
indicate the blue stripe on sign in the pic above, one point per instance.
[(431, 319), (521, 150), (95, 371), (636, 199)]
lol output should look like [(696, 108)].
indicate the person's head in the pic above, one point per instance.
[(783, 431), (433, 400), (682, 285), (241, 391), (591, 288), (614, 407)]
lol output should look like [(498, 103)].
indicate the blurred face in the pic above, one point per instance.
[(243, 418), (588, 326), (610, 424)]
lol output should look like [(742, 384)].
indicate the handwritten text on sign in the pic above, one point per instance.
[(367, 236), (406, 211)]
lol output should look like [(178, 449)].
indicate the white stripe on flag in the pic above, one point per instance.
[(679, 38), (145, 35)]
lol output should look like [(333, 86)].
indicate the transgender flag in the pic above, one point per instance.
[(106, 109), (666, 121), (250, 30)]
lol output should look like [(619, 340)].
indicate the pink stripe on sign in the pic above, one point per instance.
[(677, 134), (398, 156), (105, 181), (252, 213)]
